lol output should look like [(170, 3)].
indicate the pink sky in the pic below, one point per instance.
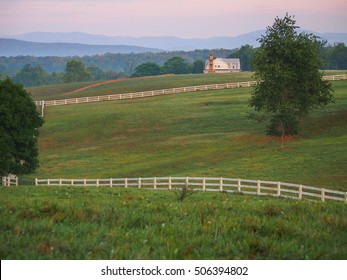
[(182, 18)]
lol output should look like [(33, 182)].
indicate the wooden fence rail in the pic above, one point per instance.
[(142, 94), (205, 184), (9, 181)]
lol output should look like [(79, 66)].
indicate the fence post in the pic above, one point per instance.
[(221, 184), (155, 183), (170, 182), (16, 181), (258, 187), (139, 186), (239, 185), (187, 181), (48, 182), (97, 182), (126, 183), (300, 192), (204, 184), (111, 183), (85, 182), (323, 195), (36, 182), (279, 189), (346, 197), (42, 108)]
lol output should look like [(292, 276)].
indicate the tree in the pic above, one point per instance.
[(31, 76), (198, 66), (147, 69), (289, 84), (246, 54), (176, 65), (75, 71), (19, 123), (339, 56), (96, 73)]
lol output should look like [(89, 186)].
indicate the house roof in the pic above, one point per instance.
[(228, 61)]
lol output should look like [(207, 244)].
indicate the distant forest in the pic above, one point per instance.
[(111, 66), (118, 63)]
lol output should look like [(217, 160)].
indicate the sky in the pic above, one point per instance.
[(181, 18)]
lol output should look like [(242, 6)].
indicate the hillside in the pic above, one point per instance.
[(192, 134), (62, 91), (111, 223), (126, 85), (12, 47), (169, 43)]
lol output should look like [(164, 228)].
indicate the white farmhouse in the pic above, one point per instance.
[(222, 65)]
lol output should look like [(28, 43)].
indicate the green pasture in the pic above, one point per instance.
[(135, 85), (61, 91), (204, 133), (111, 223)]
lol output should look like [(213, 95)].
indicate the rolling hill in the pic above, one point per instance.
[(13, 47), (169, 43), (192, 134)]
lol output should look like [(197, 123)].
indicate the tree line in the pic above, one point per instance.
[(32, 71), (76, 71), (333, 57), (112, 64)]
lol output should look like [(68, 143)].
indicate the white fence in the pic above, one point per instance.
[(151, 93), (228, 185), (335, 77), (10, 180), (142, 94)]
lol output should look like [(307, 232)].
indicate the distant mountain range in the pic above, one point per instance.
[(14, 47), (77, 43)]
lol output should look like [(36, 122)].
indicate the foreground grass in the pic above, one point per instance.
[(192, 134), (109, 223)]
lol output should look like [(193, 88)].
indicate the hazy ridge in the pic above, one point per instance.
[(78, 43)]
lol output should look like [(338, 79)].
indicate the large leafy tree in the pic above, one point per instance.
[(31, 76), (76, 71), (19, 123), (147, 69), (245, 54), (289, 83), (198, 66), (176, 65)]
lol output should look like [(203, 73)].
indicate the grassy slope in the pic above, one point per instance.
[(135, 85), (202, 133), (61, 91), (105, 223)]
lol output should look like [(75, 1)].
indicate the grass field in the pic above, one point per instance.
[(109, 223), (62, 91), (135, 85), (192, 134)]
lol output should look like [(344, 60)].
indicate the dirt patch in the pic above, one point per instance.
[(327, 123), (253, 138)]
